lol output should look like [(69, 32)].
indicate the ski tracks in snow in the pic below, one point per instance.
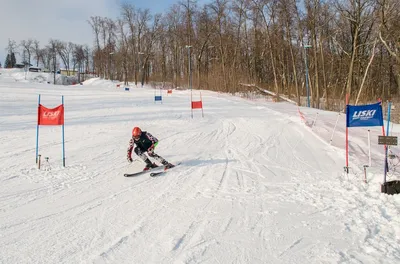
[(224, 189), (251, 189), (252, 181)]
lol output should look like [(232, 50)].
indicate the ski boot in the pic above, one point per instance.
[(149, 165), (167, 165)]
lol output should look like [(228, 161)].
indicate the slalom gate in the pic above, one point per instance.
[(50, 117), (157, 98), (371, 115), (197, 104)]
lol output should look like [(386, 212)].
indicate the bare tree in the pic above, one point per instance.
[(11, 47), (176, 41), (205, 30), (150, 38), (142, 19), (358, 13), (129, 16), (366, 72), (256, 41), (79, 59), (87, 52), (27, 47), (219, 8), (287, 9), (53, 47), (37, 52), (266, 10), (65, 51), (96, 23), (389, 31), (123, 50)]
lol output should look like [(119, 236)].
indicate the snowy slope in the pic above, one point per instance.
[(256, 185), (20, 75)]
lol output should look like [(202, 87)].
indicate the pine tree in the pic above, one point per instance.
[(7, 62), (13, 60)]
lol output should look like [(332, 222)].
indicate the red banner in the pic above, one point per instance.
[(198, 104), (51, 117)]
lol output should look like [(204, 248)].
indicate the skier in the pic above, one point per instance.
[(145, 142)]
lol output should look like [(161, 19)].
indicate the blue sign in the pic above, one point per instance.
[(364, 115)]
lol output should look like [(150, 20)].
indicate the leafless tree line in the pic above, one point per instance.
[(328, 48), (347, 46), (55, 53)]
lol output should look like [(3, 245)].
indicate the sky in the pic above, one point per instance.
[(256, 183), (65, 20)]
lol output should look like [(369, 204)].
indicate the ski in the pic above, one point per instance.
[(140, 172), (154, 174)]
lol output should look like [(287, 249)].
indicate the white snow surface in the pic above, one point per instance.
[(256, 184)]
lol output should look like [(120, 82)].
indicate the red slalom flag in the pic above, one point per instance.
[(51, 117), (198, 104)]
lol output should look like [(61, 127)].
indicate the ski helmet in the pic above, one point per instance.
[(136, 132)]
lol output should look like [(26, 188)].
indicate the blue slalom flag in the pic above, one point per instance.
[(364, 115)]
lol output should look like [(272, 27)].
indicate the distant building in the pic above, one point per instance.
[(35, 69), (70, 72), (19, 66), (22, 65)]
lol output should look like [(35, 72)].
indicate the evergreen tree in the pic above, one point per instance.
[(13, 60), (7, 62)]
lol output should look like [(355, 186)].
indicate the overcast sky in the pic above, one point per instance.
[(65, 20)]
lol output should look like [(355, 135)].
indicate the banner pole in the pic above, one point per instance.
[(347, 134), (384, 148), (388, 122), (63, 139), (201, 100), (37, 132), (191, 102), (369, 149), (347, 148), (387, 147)]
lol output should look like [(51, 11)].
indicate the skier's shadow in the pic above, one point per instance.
[(199, 162)]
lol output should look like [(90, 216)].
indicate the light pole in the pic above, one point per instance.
[(141, 67), (26, 66), (190, 69), (111, 66), (54, 64), (305, 59)]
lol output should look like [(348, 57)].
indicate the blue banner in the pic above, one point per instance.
[(364, 115)]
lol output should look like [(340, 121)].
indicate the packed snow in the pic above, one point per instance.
[(257, 183)]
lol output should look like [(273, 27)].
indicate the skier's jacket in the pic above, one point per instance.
[(145, 142)]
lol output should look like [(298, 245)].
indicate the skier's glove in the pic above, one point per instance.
[(151, 149), (130, 160)]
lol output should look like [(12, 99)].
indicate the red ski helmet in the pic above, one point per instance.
[(136, 132)]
